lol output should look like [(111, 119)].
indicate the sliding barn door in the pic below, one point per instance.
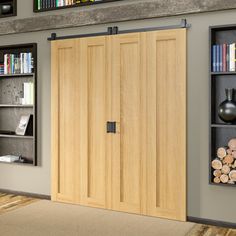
[(94, 102), (128, 109), (166, 124), (65, 129)]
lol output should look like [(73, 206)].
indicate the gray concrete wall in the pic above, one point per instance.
[(213, 202)]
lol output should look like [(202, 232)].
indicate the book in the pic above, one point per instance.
[(217, 58), (9, 158), (22, 126), (28, 93), (214, 58), (39, 4), (232, 57)]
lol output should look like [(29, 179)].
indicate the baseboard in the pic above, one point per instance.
[(34, 195), (211, 222)]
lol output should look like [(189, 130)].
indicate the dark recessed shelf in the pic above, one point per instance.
[(15, 106), (70, 6), (223, 125), (16, 75), (221, 184), (15, 136), (220, 133), (11, 112)]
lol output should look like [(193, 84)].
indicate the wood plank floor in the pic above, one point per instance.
[(206, 230), (9, 202)]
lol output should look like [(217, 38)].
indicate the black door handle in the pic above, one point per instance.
[(111, 127)]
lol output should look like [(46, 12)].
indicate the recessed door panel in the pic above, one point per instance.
[(93, 137), (64, 126), (166, 124), (127, 111)]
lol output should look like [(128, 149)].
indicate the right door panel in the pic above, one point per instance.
[(166, 124)]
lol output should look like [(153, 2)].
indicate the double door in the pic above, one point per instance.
[(119, 122)]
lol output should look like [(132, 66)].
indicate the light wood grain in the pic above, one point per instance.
[(127, 110), (139, 81), (166, 124), (64, 121), (94, 104)]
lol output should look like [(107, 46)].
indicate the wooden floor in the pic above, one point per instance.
[(9, 202), (205, 230)]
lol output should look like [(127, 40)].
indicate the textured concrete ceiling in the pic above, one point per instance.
[(114, 12)]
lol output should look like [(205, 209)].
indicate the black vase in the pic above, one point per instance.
[(227, 109), (6, 9)]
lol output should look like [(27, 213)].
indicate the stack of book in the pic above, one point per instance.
[(223, 58), (18, 63), (1, 69), (44, 4)]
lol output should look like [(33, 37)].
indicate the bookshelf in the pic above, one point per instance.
[(8, 8), (50, 5), (221, 132), (18, 69)]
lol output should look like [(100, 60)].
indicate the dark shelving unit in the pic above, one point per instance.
[(81, 4), (12, 10), (220, 132), (11, 111)]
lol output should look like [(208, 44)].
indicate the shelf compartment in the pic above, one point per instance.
[(70, 6), (19, 146), (218, 86), (220, 136)]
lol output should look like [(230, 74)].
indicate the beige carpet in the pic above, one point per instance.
[(47, 218)]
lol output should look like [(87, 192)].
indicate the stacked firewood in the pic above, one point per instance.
[(224, 166)]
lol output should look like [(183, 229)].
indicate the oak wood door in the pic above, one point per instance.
[(166, 124), (94, 75), (128, 109), (65, 128)]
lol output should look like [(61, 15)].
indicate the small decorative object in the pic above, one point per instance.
[(21, 128), (6, 9), (227, 109)]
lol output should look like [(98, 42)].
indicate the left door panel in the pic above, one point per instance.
[(65, 125)]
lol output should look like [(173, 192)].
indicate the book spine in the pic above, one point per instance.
[(12, 64), (224, 57), (221, 58), (29, 63), (31, 93), (21, 63), (25, 63), (232, 57), (8, 64), (217, 58), (227, 57), (27, 96), (5, 64), (39, 4), (214, 58)]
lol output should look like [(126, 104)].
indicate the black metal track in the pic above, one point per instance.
[(115, 30)]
